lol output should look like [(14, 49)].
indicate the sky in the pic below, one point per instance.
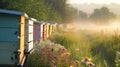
[(93, 1)]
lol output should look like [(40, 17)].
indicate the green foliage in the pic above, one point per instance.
[(36, 60), (117, 60), (102, 15), (69, 14), (45, 10), (3, 4)]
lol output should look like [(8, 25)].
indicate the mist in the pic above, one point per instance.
[(110, 28)]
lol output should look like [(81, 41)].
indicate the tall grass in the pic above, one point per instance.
[(117, 60), (102, 48), (99, 46)]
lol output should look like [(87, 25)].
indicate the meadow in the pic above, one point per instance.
[(102, 50)]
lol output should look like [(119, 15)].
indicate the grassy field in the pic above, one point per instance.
[(103, 49)]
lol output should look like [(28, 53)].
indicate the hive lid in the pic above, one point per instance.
[(13, 12)]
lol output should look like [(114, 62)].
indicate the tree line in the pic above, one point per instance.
[(46, 10), (101, 15), (56, 11)]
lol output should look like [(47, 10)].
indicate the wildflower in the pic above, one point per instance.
[(53, 61), (66, 53), (72, 65), (55, 66), (90, 63), (76, 61), (76, 49), (86, 59), (62, 48), (62, 54)]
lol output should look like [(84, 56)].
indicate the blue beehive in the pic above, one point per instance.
[(12, 25)]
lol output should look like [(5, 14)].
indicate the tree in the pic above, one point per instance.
[(45, 10), (34, 8), (102, 15), (61, 8), (3, 4), (83, 16), (70, 14)]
